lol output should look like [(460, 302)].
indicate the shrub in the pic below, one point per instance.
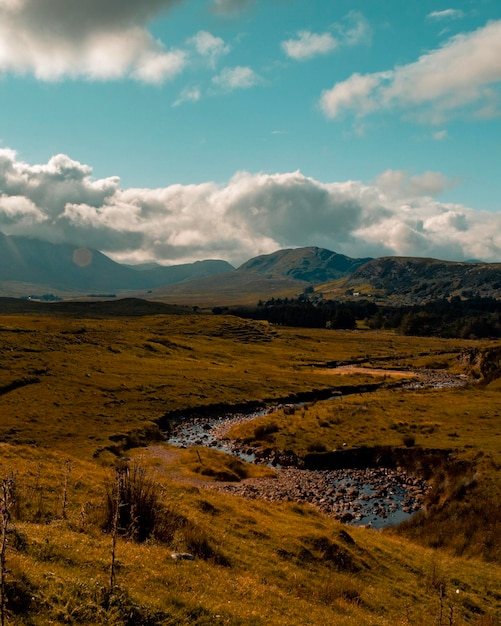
[(138, 498), (408, 440)]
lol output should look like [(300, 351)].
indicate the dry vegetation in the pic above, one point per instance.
[(77, 394)]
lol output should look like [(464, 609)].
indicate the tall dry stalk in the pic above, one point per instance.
[(6, 502), (65, 487), (119, 478)]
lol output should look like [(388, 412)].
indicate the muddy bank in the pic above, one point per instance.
[(413, 458), (225, 410)]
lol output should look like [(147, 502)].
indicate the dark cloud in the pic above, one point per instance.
[(77, 18), (95, 39)]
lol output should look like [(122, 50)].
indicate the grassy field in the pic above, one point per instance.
[(78, 394)]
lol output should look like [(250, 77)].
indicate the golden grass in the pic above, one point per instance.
[(73, 392), (74, 383), (466, 420), (283, 564)]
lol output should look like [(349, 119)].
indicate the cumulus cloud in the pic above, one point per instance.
[(397, 214), (463, 74), (398, 183), (308, 45), (209, 46), (239, 77), (95, 40)]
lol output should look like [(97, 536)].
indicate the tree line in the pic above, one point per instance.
[(475, 317)]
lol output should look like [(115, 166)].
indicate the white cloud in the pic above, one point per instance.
[(94, 40), (440, 135), (397, 214), (399, 184), (308, 45), (156, 68), (209, 46), (356, 29), (354, 93), (239, 77), (446, 14), (464, 73), (190, 94)]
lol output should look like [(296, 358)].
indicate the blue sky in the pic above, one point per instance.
[(173, 130)]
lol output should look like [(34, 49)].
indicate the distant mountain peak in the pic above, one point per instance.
[(310, 264)]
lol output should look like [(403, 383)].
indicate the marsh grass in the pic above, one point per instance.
[(98, 385)]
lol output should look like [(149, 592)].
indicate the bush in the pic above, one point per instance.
[(408, 440), (138, 498)]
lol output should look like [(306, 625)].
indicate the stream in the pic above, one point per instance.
[(374, 497)]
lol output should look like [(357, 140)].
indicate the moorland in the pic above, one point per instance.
[(96, 502)]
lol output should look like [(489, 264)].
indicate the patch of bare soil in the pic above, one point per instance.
[(358, 369)]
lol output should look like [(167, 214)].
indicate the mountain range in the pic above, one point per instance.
[(29, 267)]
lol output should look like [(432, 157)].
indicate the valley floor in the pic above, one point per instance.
[(95, 502)]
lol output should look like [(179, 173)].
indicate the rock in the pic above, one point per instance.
[(182, 556)]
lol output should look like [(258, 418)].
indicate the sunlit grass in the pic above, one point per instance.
[(78, 395)]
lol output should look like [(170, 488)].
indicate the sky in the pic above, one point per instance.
[(180, 130)]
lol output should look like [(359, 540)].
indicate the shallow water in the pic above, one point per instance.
[(375, 497)]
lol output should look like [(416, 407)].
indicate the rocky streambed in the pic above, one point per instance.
[(372, 496)]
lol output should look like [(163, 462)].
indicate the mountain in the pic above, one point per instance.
[(285, 273), (312, 265), (413, 280), (30, 266), (67, 268)]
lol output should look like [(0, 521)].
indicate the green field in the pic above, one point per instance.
[(80, 395)]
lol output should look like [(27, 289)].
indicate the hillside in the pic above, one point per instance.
[(284, 273), (226, 290), (414, 280), (34, 267), (313, 265)]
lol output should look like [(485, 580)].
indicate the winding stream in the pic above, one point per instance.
[(376, 497)]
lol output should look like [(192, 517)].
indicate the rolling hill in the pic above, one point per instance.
[(285, 273), (414, 280)]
